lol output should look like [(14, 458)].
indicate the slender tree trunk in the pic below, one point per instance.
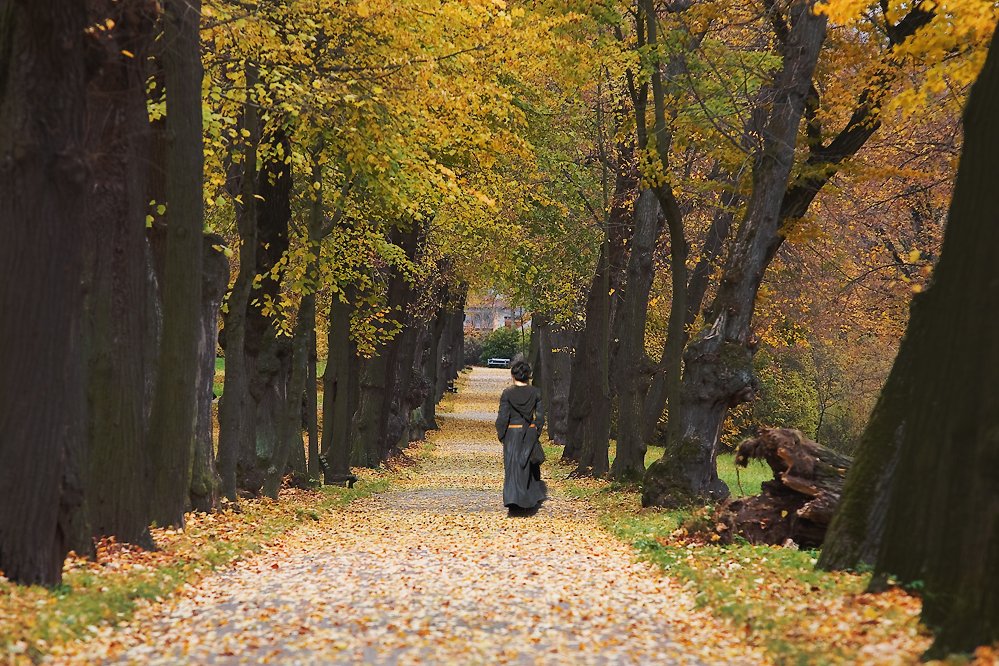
[(339, 384), (206, 483), (589, 388), (922, 501), (234, 407), (718, 371), (312, 405), (696, 289), (631, 362), (173, 419), (43, 183)]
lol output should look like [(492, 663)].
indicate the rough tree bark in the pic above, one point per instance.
[(378, 373), (556, 365), (631, 364), (588, 432), (718, 371), (234, 405), (173, 417), (432, 369), (205, 481), (925, 493), (312, 407), (799, 502), (118, 341), (290, 427), (267, 354), (43, 180), (696, 289), (340, 383)]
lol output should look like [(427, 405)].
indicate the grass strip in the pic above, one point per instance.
[(774, 596)]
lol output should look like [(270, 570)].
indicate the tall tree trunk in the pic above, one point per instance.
[(379, 373), (407, 394), (631, 362), (923, 495), (589, 387), (234, 407), (43, 183), (339, 385), (556, 365), (718, 371), (696, 289), (312, 405), (592, 427), (290, 433), (205, 481), (268, 354), (173, 418), (453, 354), (432, 369), (118, 341)]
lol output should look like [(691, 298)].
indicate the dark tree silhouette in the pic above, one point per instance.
[(43, 181), (922, 500)]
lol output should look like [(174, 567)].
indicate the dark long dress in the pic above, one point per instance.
[(522, 484)]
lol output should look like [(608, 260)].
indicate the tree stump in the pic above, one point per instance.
[(798, 503)]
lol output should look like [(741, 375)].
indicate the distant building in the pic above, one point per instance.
[(486, 314)]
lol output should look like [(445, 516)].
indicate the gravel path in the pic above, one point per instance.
[(436, 573)]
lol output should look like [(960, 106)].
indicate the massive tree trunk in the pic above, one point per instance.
[(589, 387), (234, 407), (718, 364), (924, 495), (453, 347), (173, 418), (290, 426), (118, 341), (408, 392), (559, 368), (631, 362), (43, 183), (267, 354), (205, 481)]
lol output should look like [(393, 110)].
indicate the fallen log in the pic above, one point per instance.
[(798, 503)]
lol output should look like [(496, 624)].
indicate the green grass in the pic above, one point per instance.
[(742, 482), (796, 613)]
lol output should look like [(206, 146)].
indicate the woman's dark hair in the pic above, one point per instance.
[(521, 371)]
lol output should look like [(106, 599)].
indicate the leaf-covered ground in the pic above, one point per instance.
[(434, 572)]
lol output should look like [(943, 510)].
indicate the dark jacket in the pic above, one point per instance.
[(520, 405), (522, 484)]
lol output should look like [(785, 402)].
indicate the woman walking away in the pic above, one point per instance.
[(519, 424)]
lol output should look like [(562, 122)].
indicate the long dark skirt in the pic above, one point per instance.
[(522, 484)]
